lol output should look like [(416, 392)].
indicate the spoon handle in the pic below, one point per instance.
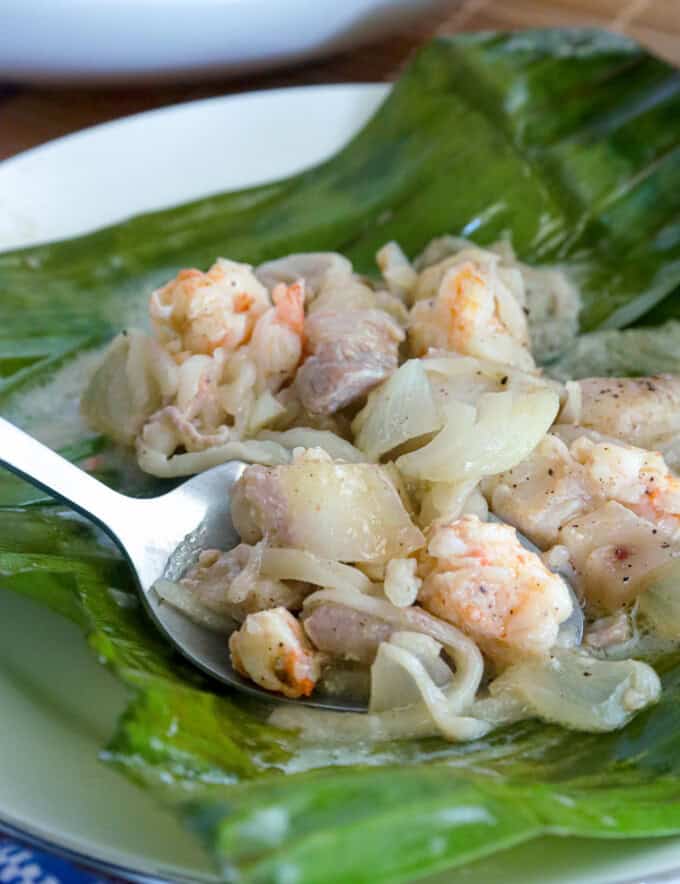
[(44, 468)]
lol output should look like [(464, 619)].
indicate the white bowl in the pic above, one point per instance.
[(106, 41)]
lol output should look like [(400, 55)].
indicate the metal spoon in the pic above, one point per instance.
[(160, 537)]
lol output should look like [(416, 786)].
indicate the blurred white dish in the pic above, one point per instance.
[(105, 41)]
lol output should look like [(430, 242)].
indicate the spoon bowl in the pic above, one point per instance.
[(161, 537)]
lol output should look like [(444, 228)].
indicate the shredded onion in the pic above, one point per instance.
[(501, 432), (397, 667), (306, 437), (465, 654), (252, 451), (401, 409), (659, 601), (266, 409), (297, 564), (578, 691)]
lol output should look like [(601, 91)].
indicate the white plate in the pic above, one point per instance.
[(115, 40), (58, 706)]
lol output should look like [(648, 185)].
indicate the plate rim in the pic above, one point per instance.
[(179, 106), (89, 861)]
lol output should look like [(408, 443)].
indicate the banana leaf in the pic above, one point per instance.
[(567, 141), (630, 352)]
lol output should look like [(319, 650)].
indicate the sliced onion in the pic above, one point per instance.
[(580, 692), (252, 451), (297, 564), (124, 389), (401, 409), (266, 409), (659, 601), (392, 686), (402, 670), (501, 432), (306, 437), (465, 654)]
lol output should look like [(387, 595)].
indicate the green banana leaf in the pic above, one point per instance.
[(569, 142), (630, 352)]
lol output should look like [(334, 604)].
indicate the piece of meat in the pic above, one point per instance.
[(349, 354), (611, 550), (346, 633), (542, 492)]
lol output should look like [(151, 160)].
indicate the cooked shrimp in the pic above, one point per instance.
[(200, 312), (276, 345), (473, 312), (635, 477), (271, 649), (350, 353), (482, 580)]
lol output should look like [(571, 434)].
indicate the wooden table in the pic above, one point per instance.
[(30, 116)]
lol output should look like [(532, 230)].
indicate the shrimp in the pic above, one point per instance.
[(637, 478), (482, 580), (196, 418), (272, 650), (474, 312), (200, 312), (276, 345)]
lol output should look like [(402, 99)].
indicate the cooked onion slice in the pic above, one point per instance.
[(580, 692), (482, 441)]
